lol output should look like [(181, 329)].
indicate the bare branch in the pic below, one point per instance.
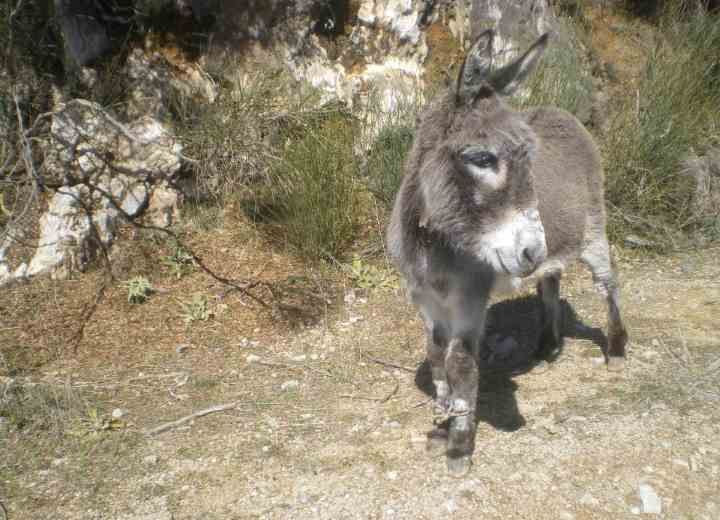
[(201, 413)]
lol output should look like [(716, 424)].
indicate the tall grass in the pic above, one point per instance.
[(313, 194), (561, 79), (673, 114)]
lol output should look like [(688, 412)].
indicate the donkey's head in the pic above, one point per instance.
[(476, 170)]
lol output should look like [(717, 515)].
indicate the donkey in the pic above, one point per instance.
[(491, 195)]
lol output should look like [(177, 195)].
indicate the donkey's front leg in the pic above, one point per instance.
[(462, 372), (436, 345)]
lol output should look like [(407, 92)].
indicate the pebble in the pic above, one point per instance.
[(290, 385), (181, 349), (392, 424), (451, 505), (566, 515), (681, 462), (252, 358), (651, 502), (588, 500), (151, 460), (391, 475), (118, 413)]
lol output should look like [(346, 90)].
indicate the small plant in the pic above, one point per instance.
[(138, 288), (366, 276), (180, 262), (196, 309), (95, 422)]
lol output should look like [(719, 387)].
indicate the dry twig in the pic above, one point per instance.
[(200, 413), (388, 364)]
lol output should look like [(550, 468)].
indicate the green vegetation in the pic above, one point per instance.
[(313, 191), (561, 79), (673, 114), (138, 288), (180, 262), (196, 309), (386, 160)]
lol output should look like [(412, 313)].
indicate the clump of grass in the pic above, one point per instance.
[(562, 79), (386, 159), (39, 408), (313, 190), (673, 114), (236, 139)]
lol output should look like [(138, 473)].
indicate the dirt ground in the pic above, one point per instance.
[(328, 419)]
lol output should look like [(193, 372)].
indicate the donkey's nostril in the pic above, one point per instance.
[(527, 255)]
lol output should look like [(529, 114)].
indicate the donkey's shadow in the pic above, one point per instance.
[(511, 340)]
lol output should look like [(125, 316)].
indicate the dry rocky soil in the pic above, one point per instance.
[(329, 399)]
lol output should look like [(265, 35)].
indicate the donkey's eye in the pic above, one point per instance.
[(479, 158)]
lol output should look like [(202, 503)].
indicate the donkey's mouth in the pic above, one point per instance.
[(502, 264)]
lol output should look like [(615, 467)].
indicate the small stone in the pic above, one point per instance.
[(694, 463), (290, 385), (391, 475), (566, 515), (151, 460), (252, 358), (298, 358), (655, 342), (681, 462), (181, 349), (118, 413), (588, 500), (651, 502), (59, 462), (451, 505), (392, 424)]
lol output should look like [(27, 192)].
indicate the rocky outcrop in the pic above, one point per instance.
[(102, 172)]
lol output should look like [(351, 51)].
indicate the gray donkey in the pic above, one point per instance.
[(490, 196)]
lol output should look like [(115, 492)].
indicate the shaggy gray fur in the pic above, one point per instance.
[(466, 219)]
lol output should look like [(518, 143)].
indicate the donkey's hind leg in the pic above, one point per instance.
[(597, 257), (548, 289)]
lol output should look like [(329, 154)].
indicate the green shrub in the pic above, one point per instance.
[(313, 191), (386, 160), (674, 113), (235, 140), (561, 79)]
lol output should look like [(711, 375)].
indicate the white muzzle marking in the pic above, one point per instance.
[(516, 246)]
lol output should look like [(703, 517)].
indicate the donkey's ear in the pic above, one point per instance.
[(476, 67), (507, 79)]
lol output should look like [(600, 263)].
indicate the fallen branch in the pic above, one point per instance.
[(374, 399), (201, 413), (388, 364)]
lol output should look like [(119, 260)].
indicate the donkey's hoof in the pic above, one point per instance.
[(616, 364), (459, 466)]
